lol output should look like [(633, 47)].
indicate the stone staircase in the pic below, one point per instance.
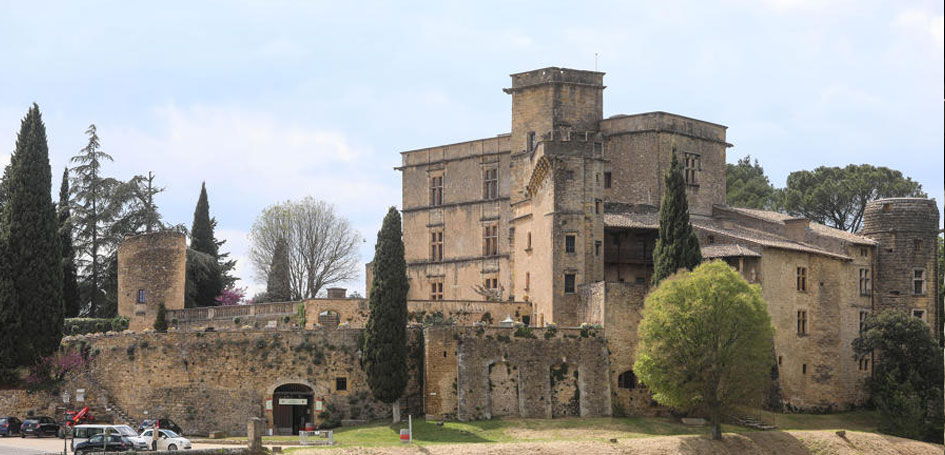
[(103, 405), (751, 422)]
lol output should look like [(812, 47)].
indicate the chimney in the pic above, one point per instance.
[(796, 228), (337, 293)]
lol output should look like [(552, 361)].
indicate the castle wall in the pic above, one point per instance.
[(215, 381), (475, 373), (155, 266)]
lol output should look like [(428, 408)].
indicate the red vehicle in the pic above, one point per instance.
[(74, 418)]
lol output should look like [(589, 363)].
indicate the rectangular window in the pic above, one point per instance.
[(865, 363), (917, 245), (528, 280), (865, 282), (864, 315), (532, 141), (341, 383), (693, 164), (919, 314), (436, 245), (597, 206), (569, 283), (491, 282), (597, 247), (608, 179), (802, 278), (804, 368), (569, 174), (490, 183), (864, 252), (436, 190), (598, 148), (511, 237), (569, 243), (141, 298), (918, 281), (436, 289), (490, 240), (802, 322), (528, 241)]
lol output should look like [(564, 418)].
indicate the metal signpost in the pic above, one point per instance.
[(65, 421)]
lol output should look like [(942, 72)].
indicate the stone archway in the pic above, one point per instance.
[(292, 407)]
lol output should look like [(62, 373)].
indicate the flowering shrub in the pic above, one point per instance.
[(49, 373), (231, 296)]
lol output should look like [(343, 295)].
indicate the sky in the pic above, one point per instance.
[(268, 101)]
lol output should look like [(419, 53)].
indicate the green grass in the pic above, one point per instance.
[(570, 429)]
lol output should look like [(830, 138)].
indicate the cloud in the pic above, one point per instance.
[(922, 24)]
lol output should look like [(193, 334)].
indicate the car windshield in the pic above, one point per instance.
[(170, 434), (125, 430)]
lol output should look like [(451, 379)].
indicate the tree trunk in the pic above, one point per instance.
[(716, 428), (395, 409)]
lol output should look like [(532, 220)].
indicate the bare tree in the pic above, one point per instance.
[(322, 246)]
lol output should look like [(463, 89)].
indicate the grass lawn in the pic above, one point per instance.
[(569, 429)]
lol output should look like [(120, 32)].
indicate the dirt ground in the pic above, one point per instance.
[(761, 443)]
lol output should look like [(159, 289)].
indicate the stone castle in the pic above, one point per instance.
[(529, 255)]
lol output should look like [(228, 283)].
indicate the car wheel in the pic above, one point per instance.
[(172, 447)]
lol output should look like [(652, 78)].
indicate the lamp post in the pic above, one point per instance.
[(65, 421)]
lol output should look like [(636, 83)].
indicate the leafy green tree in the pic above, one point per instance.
[(207, 281), (201, 268), (278, 283), (31, 306), (3, 191), (70, 285), (705, 342), (748, 187), (94, 209), (906, 385), (385, 342), (677, 245), (160, 319), (838, 196)]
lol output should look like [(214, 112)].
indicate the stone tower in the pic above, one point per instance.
[(151, 271), (906, 230), (557, 167)]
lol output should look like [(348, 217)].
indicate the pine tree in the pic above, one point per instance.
[(94, 210), (385, 343), (278, 285), (205, 280), (677, 246), (160, 319), (139, 212), (70, 285), (31, 307)]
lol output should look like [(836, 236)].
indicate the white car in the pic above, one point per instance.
[(167, 440), (84, 432)]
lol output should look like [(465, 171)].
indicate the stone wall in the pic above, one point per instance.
[(153, 265), (217, 380), (477, 373)]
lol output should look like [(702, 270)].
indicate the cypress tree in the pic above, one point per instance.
[(278, 287), (70, 285), (677, 246), (160, 319), (206, 286), (31, 308), (385, 341)]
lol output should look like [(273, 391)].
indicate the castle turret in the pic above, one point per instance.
[(906, 230), (151, 271)]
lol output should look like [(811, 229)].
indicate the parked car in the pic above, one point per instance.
[(83, 433), (164, 424), (167, 440), (103, 443), (39, 427), (9, 426)]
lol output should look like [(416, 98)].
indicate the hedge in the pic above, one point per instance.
[(81, 326)]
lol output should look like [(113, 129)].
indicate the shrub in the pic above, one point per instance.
[(82, 326)]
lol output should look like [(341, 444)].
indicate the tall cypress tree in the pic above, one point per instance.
[(677, 246), (208, 284), (385, 341), (31, 308), (278, 284), (70, 285)]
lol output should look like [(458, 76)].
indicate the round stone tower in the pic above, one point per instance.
[(151, 271), (906, 230)]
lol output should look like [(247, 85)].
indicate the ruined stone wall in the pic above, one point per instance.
[(215, 381), (817, 370), (155, 264), (477, 373), (19, 403)]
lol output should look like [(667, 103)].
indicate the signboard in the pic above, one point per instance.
[(65, 397), (318, 405), (293, 401), (269, 404), (79, 394)]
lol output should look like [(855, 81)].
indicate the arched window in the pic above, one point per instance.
[(627, 380)]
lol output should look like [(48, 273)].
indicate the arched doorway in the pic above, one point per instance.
[(292, 408)]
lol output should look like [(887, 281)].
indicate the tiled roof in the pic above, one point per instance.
[(726, 251), (762, 238), (820, 229), (631, 216)]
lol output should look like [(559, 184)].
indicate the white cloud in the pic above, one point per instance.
[(922, 24)]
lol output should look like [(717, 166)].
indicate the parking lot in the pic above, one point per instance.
[(40, 446)]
